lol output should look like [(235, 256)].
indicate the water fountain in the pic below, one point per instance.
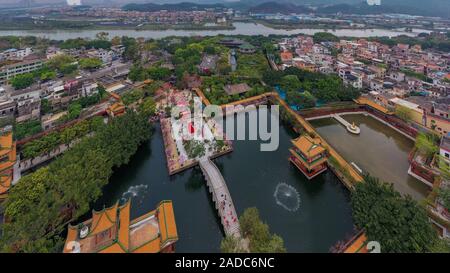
[(134, 191), (287, 197)]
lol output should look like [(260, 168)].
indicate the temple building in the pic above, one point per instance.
[(111, 231), (116, 109), (7, 160), (309, 156)]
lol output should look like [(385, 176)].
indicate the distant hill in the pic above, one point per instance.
[(392, 7), (184, 6), (275, 7)]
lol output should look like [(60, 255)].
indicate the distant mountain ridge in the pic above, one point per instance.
[(391, 7), (414, 7)]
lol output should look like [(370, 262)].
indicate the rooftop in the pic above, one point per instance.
[(232, 89), (111, 231), (309, 146)]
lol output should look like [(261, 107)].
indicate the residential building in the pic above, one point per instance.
[(9, 71)]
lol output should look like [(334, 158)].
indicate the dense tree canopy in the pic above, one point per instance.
[(90, 63), (398, 223), (64, 64), (40, 205), (320, 37), (50, 142), (258, 234), (22, 81), (426, 144), (326, 88), (26, 129)]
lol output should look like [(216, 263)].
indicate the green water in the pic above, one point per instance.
[(379, 150), (323, 216)]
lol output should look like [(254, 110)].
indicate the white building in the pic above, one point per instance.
[(8, 72), (16, 54), (444, 149)]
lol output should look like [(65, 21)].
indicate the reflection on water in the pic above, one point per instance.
[(378, 150), (287, 197), (195, 181)]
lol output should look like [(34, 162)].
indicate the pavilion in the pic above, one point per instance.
[(309, 156), (111, 231)]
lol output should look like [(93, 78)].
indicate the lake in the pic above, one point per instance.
[(240, 28), (310, 216)]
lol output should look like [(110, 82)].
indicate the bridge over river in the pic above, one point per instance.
[(221, 197)]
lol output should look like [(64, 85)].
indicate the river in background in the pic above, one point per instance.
[(240, 28), (310, 216), (379, 150)]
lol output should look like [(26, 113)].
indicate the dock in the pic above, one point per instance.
[(351, 128)]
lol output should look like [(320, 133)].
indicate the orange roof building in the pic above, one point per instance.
[(309, 156), (357, 244), (111, 231), (286, 56), (116, 109), (7, 161)]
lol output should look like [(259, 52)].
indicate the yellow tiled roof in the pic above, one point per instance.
[(104, 219), (309, 146), (124, 225), (166, 217)]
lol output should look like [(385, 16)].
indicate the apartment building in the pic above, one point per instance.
[(8, 72)]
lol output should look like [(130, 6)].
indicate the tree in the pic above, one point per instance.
[(426, 144), (320, 37), (290, 83), (58, 62), (22, 81), (103, 44), (90, 63), (116, 40), (231, 244), (304, 100), (102, 35), (398, 223), (403, 113), (41, 204), (194, 148), (68, 69), (47, 75), (260, 239), (158, 73), (148, 107), (131, 48), (137, 73), (132, 96), (26, 129)]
